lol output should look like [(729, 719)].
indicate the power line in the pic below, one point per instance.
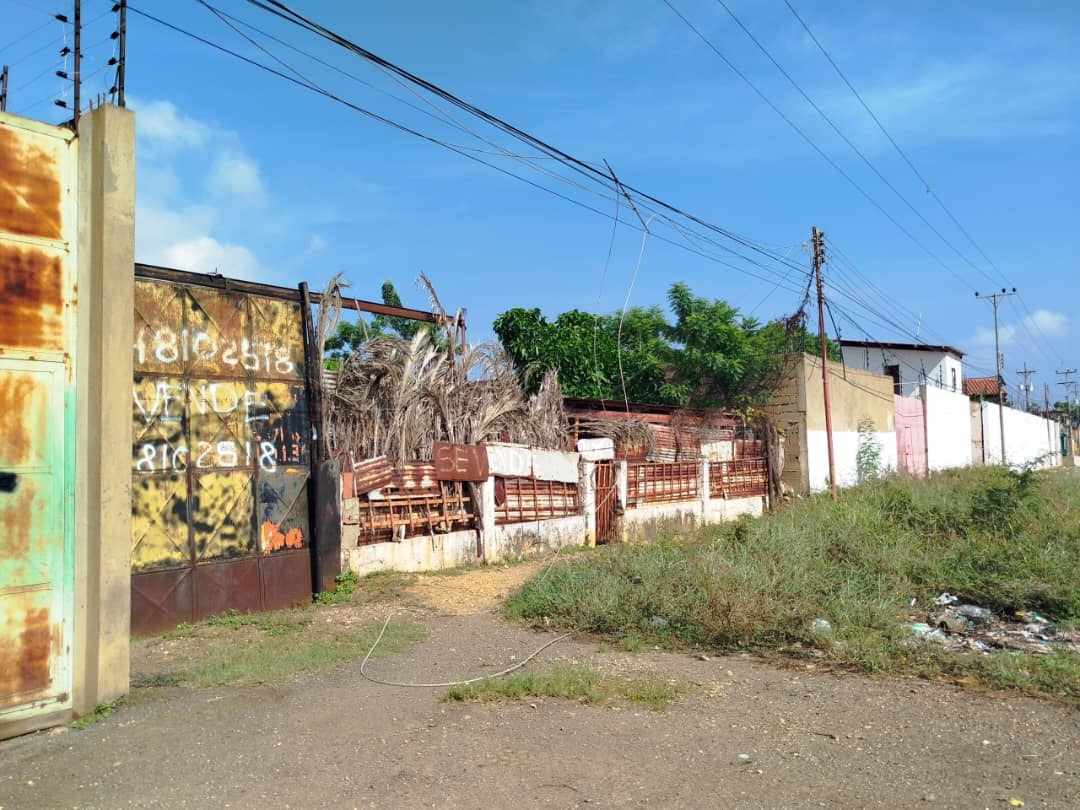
[(854, 148), (452, 147), (585, 168), (895, 145), (810, 142)]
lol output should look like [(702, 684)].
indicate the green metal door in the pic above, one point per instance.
[(34, 671)]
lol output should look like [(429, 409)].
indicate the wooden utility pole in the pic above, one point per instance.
[(818, 242), (1027, 388), (995, 298), (3, 89)]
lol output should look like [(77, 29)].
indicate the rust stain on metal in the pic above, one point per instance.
[(24, 666), (372, 474), (416, 476), (459, 462), (22, 418), (31, 297), (30, 190), (19, 515)]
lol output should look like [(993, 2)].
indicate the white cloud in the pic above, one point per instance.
[(233, 174), (317, 244), (160, 123), (204, 254), (1042, 323), (1050, 323)]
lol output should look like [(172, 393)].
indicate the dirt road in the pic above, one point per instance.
[(807, 738)]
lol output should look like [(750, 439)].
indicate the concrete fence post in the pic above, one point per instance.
[(486, 520), (703, 476), (587, 485)]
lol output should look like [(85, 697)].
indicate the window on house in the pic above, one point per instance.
[(953, 379), (894, 372)]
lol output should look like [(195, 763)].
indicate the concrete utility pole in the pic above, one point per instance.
[(995, 297), (1066, 373), (3, 88), (1027, 388), (817, 239)]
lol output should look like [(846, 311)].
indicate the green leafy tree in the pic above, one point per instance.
[(710, 356)]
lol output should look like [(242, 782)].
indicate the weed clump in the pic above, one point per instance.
[(1005, 540)]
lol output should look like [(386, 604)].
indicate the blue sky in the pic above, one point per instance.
[(242, 172)]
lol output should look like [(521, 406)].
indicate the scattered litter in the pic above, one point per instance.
[(1016, 802), (973, 612), (822, 626), (962, 626), (744, 757), (912, 602), (658, 621)]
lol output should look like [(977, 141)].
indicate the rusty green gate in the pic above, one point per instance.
[(220, 452), (37, 418)]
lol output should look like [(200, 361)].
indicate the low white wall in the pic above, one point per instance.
[(948, 429), (428, 553), (640, 521), (845, 448), (520, 539), (1029, 439)]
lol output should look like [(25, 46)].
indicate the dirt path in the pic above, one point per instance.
[(810, 739)]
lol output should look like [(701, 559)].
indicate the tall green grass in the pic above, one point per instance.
[(1005, 540)]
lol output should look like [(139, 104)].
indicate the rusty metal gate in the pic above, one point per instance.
[(220, 454), (604, 480), (37, 418)]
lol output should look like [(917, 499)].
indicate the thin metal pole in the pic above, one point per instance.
[(76, 60), (122, 64), (817, 239), (3, 88), (994, 299)]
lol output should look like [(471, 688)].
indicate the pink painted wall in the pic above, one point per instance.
[(910, 436)]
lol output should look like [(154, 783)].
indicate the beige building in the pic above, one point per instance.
[(798, 411)]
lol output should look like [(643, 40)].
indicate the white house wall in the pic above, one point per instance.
[(1029, 439), (846, 448), (938, 366), (948, 429)]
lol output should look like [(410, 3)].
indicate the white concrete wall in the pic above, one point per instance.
[(948, 429), (1029, 439), (643, 520), (845, 447), (427, 553)]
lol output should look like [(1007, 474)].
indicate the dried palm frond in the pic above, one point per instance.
[(396, 398)]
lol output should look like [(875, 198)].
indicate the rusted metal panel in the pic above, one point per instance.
[(416, 476), (519, 500), (372, 474), (459, 462), (662, 482), (739, 478), (221, 447), (37, 418), (31, 297), (32, 194)]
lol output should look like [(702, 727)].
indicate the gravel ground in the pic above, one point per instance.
[(747, 734)]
